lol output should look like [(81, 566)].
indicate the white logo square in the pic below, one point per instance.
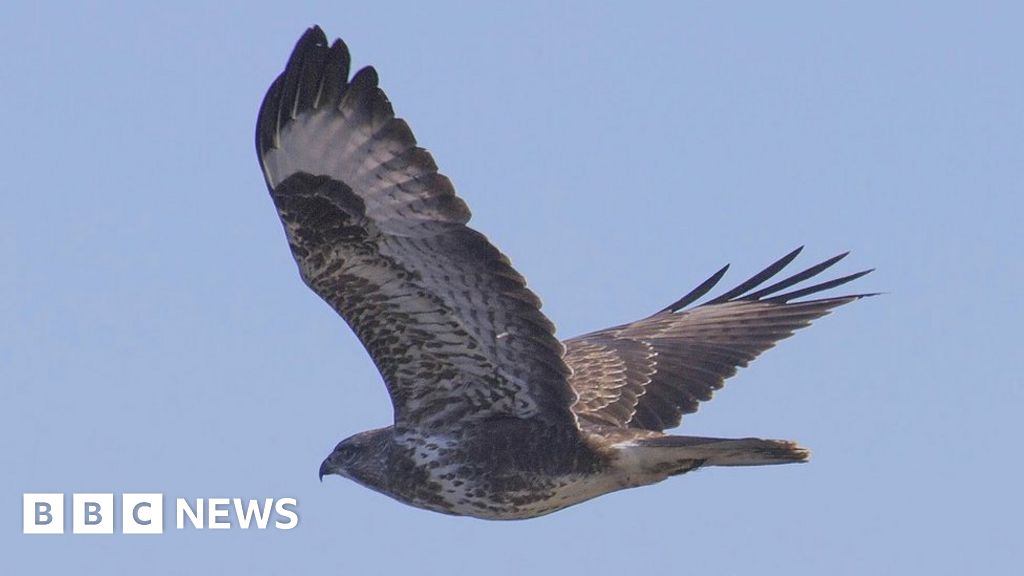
[(92, 514), (42, 513), (142, 513)]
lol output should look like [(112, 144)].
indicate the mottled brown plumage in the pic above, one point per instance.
[(493, 416)]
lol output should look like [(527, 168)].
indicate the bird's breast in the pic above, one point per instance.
[(495, 476)]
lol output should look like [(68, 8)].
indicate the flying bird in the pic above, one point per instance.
[(494, 417)]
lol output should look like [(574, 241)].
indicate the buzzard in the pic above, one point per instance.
[(493, 416)]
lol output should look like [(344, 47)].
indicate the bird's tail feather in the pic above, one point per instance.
[(727, 451)]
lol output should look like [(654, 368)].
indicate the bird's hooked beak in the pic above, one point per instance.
[(325, 468)]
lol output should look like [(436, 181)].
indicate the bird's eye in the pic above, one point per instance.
[(346, 452)]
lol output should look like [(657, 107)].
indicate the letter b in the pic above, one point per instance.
[(92, 514), (43, 515)]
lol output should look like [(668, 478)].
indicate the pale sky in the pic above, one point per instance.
[(157, 337)]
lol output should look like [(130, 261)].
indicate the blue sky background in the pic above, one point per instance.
[(156, 336)]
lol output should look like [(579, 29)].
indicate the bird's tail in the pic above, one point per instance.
[(721, 451)]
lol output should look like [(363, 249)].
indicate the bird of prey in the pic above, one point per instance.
[(493, 417)]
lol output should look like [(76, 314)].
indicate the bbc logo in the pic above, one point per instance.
[(93, 513)]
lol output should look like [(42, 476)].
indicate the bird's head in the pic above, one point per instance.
[(360, 457)]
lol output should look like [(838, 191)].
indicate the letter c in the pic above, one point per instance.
[(135, 514)]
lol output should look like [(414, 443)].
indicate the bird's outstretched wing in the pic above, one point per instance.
[(380, 235), (648, 373)]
